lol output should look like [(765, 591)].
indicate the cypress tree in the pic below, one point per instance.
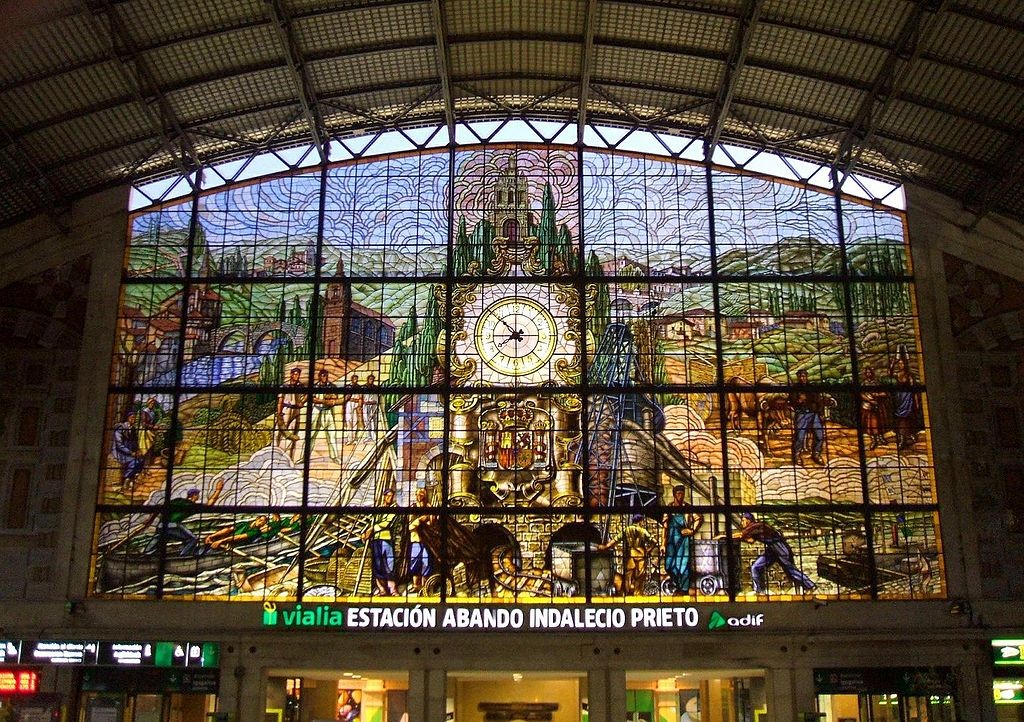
[(601, 315), (547, 231)]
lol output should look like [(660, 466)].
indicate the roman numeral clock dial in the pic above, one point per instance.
[(515, 336)]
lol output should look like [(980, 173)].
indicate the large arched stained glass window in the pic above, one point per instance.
[(517, 373)]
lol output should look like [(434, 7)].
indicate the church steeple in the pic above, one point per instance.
[(510, 204)]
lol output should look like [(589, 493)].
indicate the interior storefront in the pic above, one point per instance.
[(492, 696), (345, 696)]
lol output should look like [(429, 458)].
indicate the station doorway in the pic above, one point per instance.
[(891, 707), (650, 696), (297, 695)]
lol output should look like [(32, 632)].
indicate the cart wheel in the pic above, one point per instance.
[(432, 586), (708, 585), (668, 587), (651, 587)]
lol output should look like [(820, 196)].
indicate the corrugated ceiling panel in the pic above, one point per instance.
[(155, 21), (57, 96), (330, 77), (1010, 9), (472, 60), (659, 25), (933, 168), (382, 27), (518, 87), (102, 169), (473, 17), (45, 48), (244, 92), (803, 96), (662, 70), (779, 126), (878, 20), (185, 62), (979, 44), (941, 130), (645, 103), (123, 123), (813, 51), (255, 126), (388, 104), (974, 94)]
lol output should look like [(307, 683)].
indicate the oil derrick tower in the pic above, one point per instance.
[(617, 477)]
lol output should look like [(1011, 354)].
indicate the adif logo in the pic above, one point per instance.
[(717, 621)]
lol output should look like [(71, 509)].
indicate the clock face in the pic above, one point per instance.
[(515, 336)]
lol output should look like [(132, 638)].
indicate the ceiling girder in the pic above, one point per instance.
[(41, 190), (586, 63), (143, 87), (297, 69), (742, 35), (890, 76), (440, 25)]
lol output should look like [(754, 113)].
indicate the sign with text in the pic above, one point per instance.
[(498, 618), (115, 654), (19, 681), (885, 680), (1007, 652)]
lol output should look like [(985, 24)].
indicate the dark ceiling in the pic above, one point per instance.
[(99, 92)]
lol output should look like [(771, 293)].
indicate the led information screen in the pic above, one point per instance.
[(19, 681)]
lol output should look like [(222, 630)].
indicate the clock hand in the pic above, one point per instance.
[(507, 325)]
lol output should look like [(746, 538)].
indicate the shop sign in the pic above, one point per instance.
[(1008, 691), (19, 681), (150, 680), (885, 680), (10, 651), (500, 618), (117, 654), (1008, 652)]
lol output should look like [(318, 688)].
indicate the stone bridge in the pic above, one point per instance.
[(253, 335)]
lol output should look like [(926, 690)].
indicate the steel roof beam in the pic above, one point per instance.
[(973, 116), (300, 78), (742, 35), (998, 178), (894, 70), (586, 64), (142, 85), (36, 183), (440, 25), (700, 97), (837, 33)]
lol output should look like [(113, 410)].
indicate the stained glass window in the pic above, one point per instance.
[(517, 373)]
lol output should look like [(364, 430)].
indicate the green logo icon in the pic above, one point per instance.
[(269, 614), (717, 621)]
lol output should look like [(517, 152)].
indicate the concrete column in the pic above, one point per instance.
[(247, 695), (435, 699), (597, 695), (606, 694), (779, 692)]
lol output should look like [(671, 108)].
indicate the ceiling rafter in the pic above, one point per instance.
[(699, 99), (586, 64), (300, 78), (890, 76), (774, 66), (143, 86), (742, 35), (45, 196), (990, 183), (440, 25)]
